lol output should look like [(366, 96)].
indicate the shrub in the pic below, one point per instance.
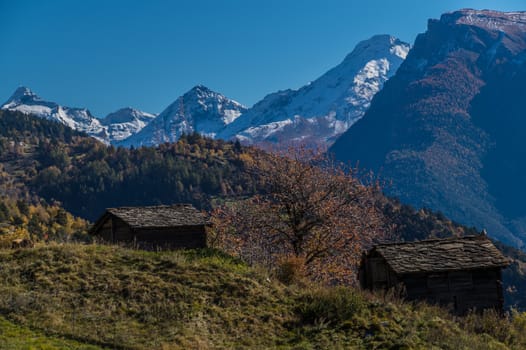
[(291, 269), (331, 305)]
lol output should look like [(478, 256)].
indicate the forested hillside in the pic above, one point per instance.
[(49, 170), (55, 163), (447, 130)]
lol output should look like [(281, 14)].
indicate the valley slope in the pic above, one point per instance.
[(447, 130)]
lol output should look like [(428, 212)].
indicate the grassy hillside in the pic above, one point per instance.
[(111, 297), (14, 337)]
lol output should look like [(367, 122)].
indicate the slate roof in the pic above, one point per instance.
[(159, 216), (437, 255)]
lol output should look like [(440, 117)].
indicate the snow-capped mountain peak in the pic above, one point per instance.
[(126, 115), (23, 94), (377, 45), (316, 113), (323, 109), (26, 101), (200, 109), (209, 100), (115, 127), (125, 122)]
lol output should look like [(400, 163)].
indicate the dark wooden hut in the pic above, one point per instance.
[(462, 273), (153, 227)]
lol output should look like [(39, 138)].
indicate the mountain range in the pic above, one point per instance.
[(315, 114), (320, 111), (200, 109), (113, 128), (442, 124), (447, 130)]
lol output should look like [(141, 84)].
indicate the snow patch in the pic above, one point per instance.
[(337, 99), (131, 121)]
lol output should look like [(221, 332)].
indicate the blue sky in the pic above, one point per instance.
[(110, 54)]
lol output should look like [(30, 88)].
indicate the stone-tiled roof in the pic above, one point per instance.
[(159, 216), (450, 254)]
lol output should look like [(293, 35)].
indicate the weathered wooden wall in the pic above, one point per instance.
[(121, 230), (105, 230), (177, 237), (461, 290), (376, 274)]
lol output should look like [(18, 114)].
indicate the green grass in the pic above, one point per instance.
[(112, 297), (14, 337)]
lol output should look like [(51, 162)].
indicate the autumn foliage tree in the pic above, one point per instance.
[(313, 215)]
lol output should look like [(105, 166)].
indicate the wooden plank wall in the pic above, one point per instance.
[(461, 290), (105, 230), (121, 231), (177, 237)]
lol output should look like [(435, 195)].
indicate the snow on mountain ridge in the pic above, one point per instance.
[(125, 122), (22, 94), (492, 20), (26, 101), (125, 115), (337, 99), (198, 110), (317, 112)]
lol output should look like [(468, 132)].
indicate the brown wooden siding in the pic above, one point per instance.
[(461, 290), (121, 231), (105, 230), (180, 237)]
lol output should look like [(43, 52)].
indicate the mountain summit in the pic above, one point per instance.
[(198, 110), (115, 127), (315, 114), (26, 101), (452, 123), (125, 122), (23, 94), (323, 109)]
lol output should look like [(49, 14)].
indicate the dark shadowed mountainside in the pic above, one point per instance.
[(447, 128)]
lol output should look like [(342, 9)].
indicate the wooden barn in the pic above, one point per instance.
[(461, 273), (153, 227)]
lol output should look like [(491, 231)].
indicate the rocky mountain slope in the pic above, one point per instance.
[(200, 109), (26, 101), (323, 109), (448, 128), (314, 114), (125, 122), (115, 127)]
